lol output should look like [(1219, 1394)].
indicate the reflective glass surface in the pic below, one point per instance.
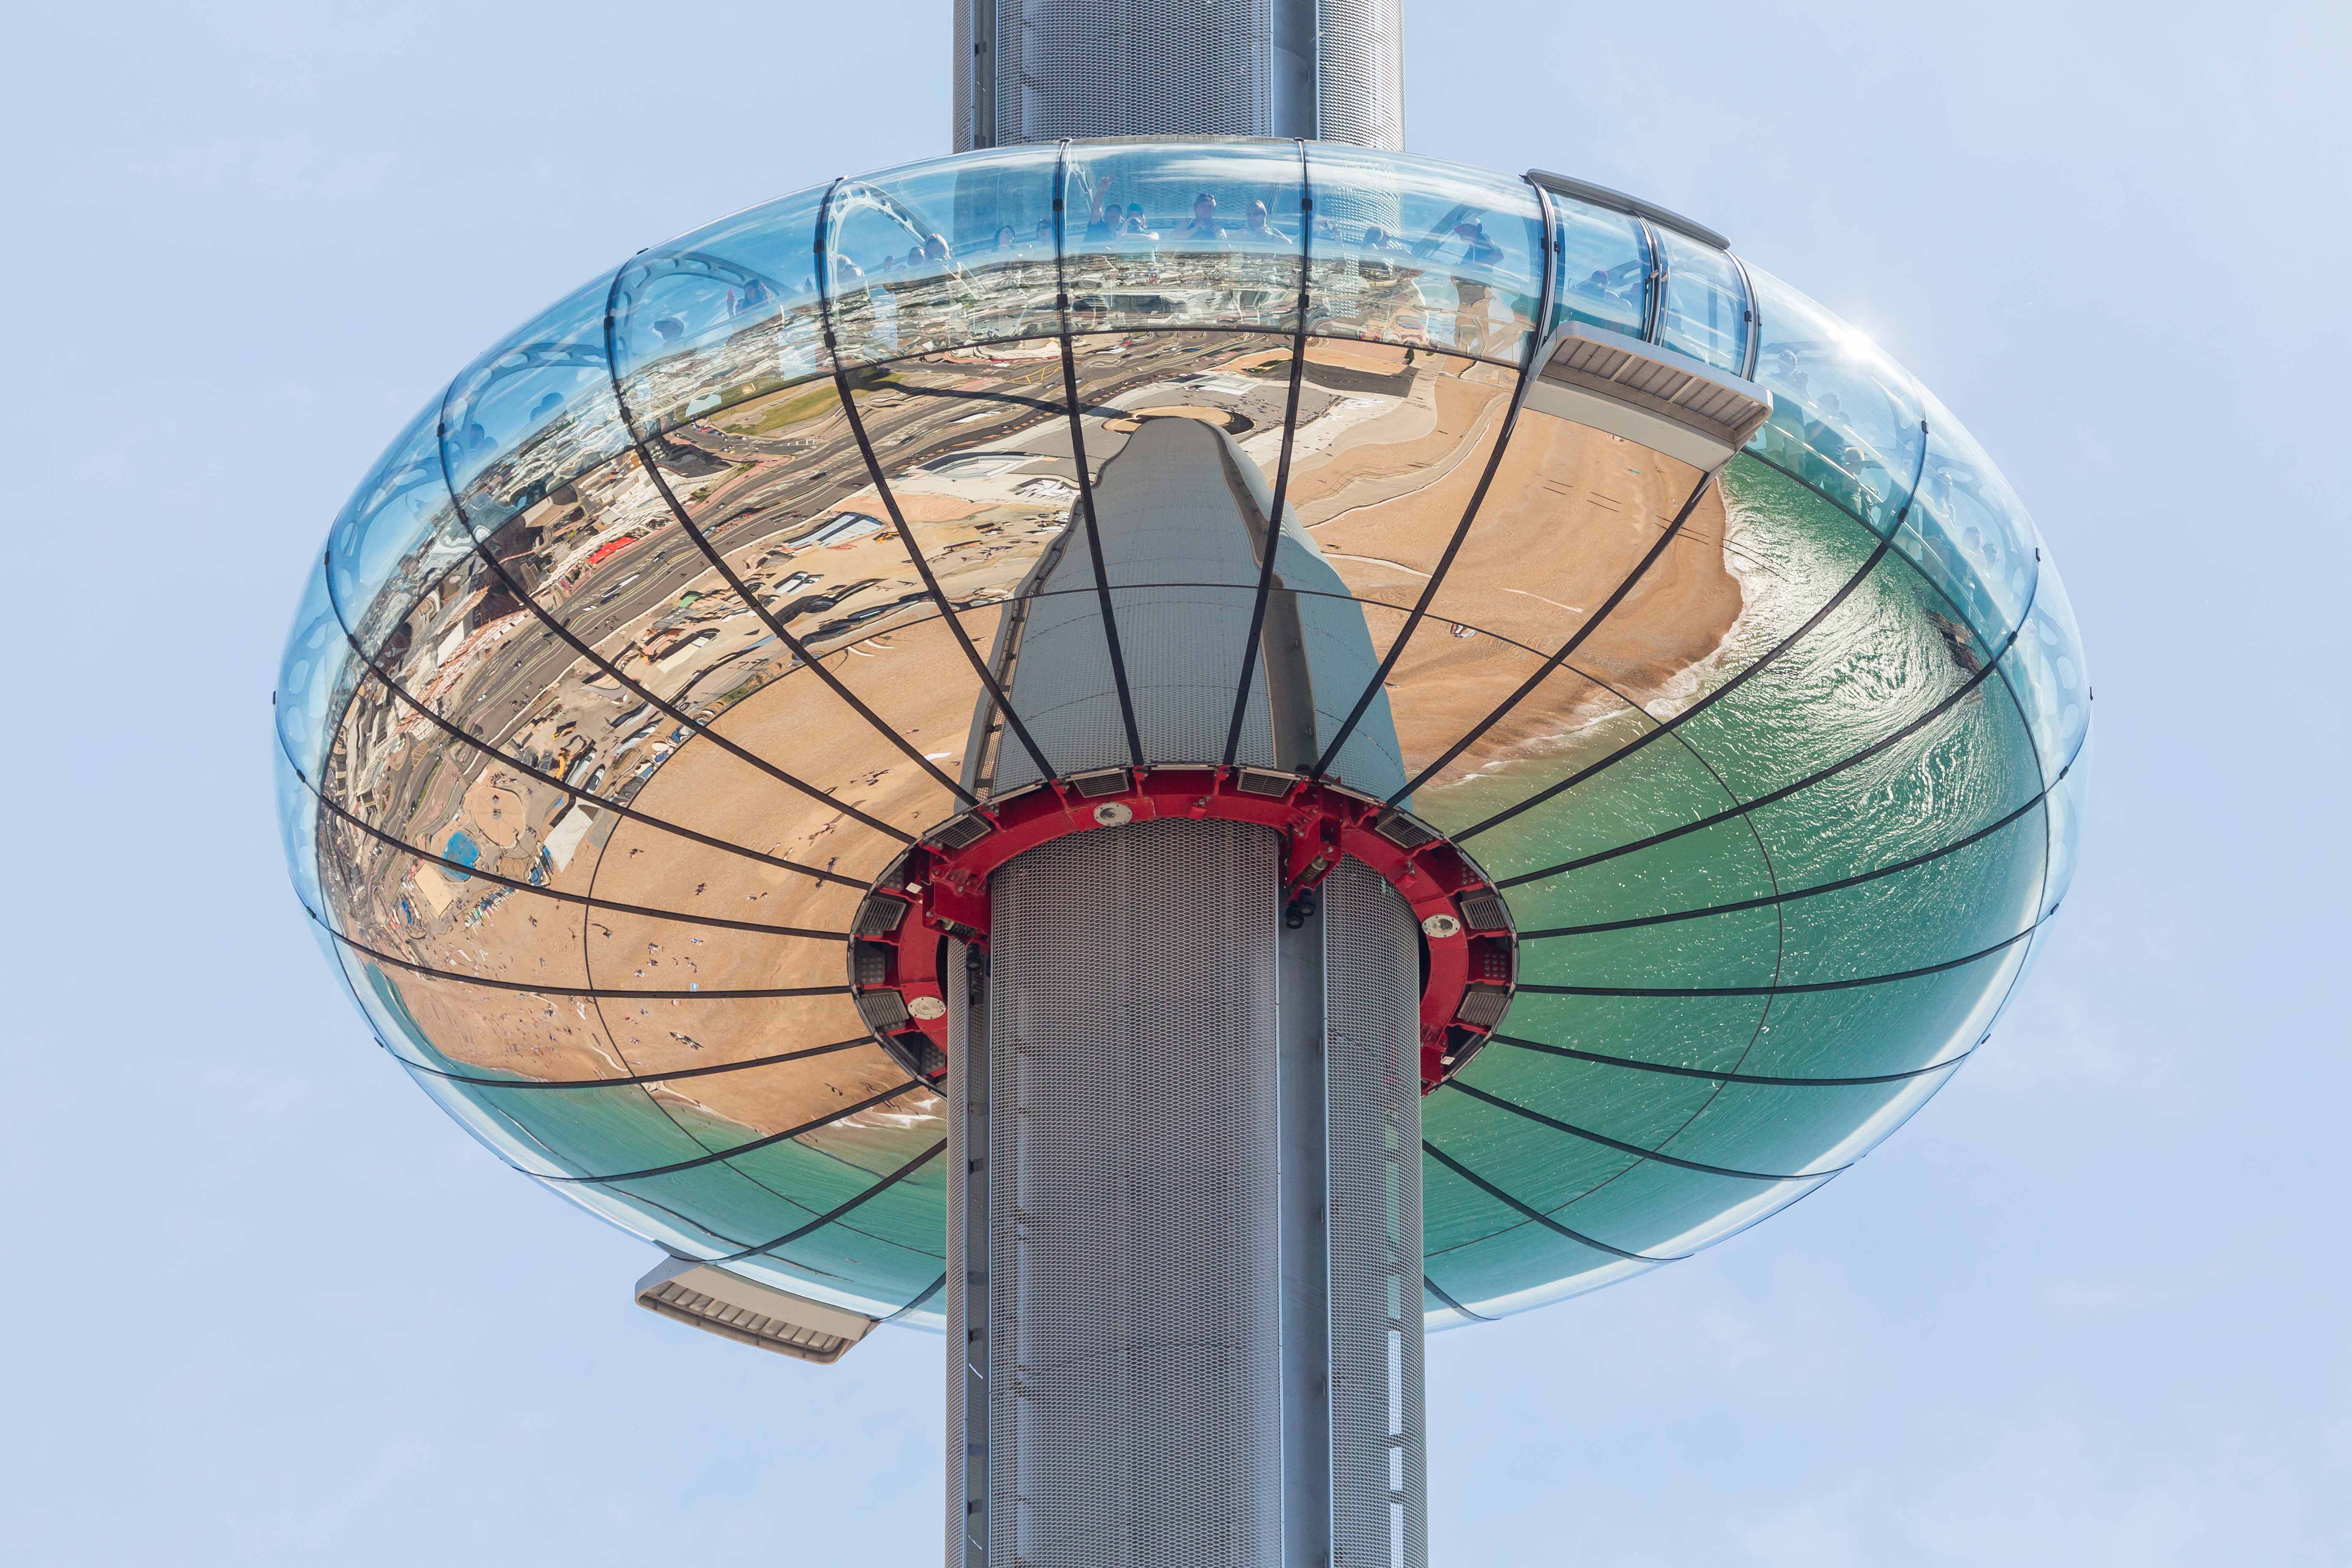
[(1705, 314), (1415, 251), (1845, 419), (1174, 234), (1600, 267), (935, 256), (682, 610), (720, 315)]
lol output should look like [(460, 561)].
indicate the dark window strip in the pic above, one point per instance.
[(933, 1288), (1438, 1291)]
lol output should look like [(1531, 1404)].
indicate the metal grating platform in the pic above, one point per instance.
[(1647, 394), (729, 1305)]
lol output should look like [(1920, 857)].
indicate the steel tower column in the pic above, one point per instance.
[(1186, 1255), (1038, 70)]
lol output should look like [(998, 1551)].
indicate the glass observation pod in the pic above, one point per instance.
[(682, 615)]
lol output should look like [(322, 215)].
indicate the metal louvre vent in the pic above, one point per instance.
[(1133, 1342), (958, 831), (878, 915), (1665, 399), (1257, 781), (1483, 1006), (1378, 1513), (723, 1303), (1110, 781), (1484, 910), (882, 1010), (1402, 831)]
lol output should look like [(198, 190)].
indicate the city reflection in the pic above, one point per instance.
[(647, 646)]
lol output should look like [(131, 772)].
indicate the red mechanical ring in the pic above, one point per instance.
[(939, 889)]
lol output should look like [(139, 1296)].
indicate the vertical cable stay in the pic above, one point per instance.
[(1845, 590), (1566, 650), (1266, 569), (890, 500), (1078, 457), (572, 640), (1956, 695), (573, 792), (1529, 363), (734, 580)]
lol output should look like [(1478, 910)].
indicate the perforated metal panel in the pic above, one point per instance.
[(1378, 1489), (1361, 72), (1135, 1416), (967, 1289), (1035, 71)]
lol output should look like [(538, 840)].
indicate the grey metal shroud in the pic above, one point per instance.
[(1039, 70), (1185, 1271)]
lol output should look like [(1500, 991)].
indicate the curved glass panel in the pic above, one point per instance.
[(723, 314), (1411, 250), (1705, 314), (396, 533), (533, 413), (646, 1218), (312, 673), (1845, 419), (1600, 267), (297, 828), (1780, 772), (2045, 665), (942, 254), (1182, 235), (2068, 797), (1968, 530)]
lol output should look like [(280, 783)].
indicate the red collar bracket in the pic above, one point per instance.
[(1470, 951)]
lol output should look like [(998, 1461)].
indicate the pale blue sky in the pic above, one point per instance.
[(265, 1305)]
